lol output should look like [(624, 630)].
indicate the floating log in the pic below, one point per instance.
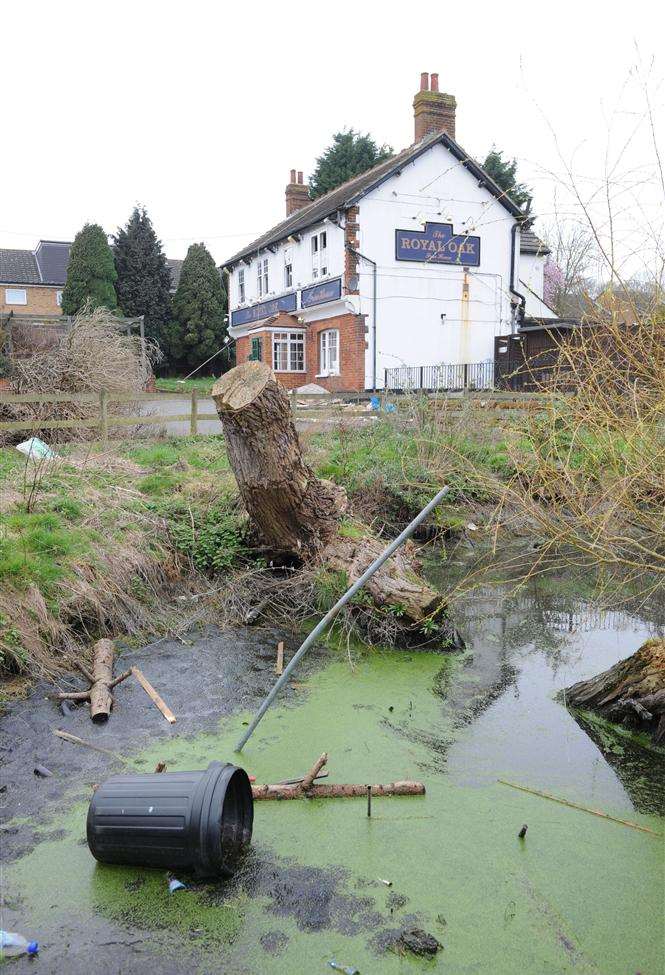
[(101, 681), (153, 695), (338, 791)]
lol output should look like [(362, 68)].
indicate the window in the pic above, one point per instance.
[(288, 269), (265, 275), (259, 279), (288, 352), (16, 296), (58, 299), (241, 286), (320, 255), (255, 354), (329, 352)]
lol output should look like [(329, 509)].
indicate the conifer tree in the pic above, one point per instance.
[(144, 278), (504, 173), (349, 155), (91, 273), (199, 322)]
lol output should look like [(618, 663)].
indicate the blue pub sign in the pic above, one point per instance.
[(244, 316), (437, 244), (320, 293)]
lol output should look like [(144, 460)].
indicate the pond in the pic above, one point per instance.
[(577, 894)]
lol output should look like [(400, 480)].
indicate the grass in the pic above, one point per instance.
[(99, 542), (170, 384)]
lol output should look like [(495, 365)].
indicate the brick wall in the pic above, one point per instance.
[(41, 300), (352, 344), (351, 283)]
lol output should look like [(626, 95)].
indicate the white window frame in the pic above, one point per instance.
[(289, 344), (241, 285), (288, 268), (329, 352), (11, 299), (259, 280), (266, 289), (58, 299), (319, 246)]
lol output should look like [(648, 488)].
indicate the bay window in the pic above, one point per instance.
[(288, 351), (329, 352)]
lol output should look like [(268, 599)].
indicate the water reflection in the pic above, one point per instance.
[(523, 647)]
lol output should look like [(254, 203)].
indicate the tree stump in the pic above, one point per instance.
[(631, 692), (296, 514), (101, 680)]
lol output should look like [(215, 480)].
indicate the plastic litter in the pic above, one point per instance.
[(176, 885), (42, 772), (388, 883), (347, 969), (36, 449), (12, 944), (522, 832)]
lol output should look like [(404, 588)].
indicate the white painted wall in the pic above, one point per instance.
[(421, 316), (532, 285), (301, 256)]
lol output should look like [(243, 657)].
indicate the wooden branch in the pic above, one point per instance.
[(101, 682), (279, 666), (308, 779), (337, 791), (71, 696), (84, 670), (119, 680), (576, 805), (153, 695), (75, 740)]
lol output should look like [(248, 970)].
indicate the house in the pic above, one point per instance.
[(31, 282), (417, 262)]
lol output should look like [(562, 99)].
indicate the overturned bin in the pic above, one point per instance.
[(198, 821)]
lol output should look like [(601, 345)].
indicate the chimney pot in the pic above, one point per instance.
[(424, 81), (293, 175), (297, 193), (434, 110), (299, 176), (435, 82)]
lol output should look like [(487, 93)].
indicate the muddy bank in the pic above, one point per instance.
[(207, 675)]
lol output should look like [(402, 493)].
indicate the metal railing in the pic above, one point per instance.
[(451, 377)]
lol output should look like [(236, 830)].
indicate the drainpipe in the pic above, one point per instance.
[(513, 252), (374, 304)]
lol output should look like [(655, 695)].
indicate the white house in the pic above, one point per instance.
[(416, 262)]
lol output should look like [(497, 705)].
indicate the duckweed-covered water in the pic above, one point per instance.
[(578, 894)]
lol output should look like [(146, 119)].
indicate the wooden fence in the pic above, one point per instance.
[(104, 418)]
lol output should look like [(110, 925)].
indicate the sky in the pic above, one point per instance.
[(199, 110)]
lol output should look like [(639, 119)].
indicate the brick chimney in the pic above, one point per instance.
[(433, 110), (297, 194)]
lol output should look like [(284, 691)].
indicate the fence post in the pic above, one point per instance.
[(466, 376), (193, 418), (104, 416), (294, 404)]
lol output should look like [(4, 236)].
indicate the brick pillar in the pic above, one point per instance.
[(433, 110)]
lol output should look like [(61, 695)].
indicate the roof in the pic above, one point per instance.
[(175, 267), (530, 244), (47, 264), (18, 267), (354, 189)]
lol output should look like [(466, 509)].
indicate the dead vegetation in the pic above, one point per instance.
[(95, 354)]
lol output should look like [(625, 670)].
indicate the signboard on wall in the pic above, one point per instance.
[(437, 244), (320, 293), (244, 316)]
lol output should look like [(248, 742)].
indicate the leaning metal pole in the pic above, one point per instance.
[(332, 613)]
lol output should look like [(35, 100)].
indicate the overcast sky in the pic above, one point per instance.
[(200, 109)]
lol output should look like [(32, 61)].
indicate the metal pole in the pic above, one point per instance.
[(332, 613)]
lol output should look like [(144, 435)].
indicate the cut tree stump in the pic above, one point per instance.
[(296, 514), (101, 680), (632, 692)]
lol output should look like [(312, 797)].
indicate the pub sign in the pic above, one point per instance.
[(437, 244)]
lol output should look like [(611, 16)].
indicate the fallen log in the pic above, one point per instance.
[(338, 791), (632, 691), (101, 681)]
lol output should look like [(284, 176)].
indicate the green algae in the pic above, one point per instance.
[(554, 903)]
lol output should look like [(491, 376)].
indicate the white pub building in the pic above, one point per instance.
[(418, 262)]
